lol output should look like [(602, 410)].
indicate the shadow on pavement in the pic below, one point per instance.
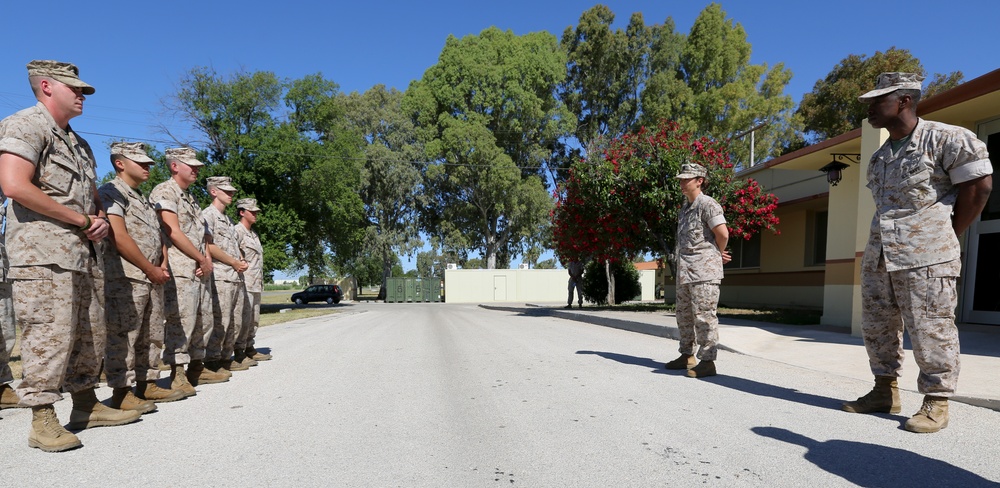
[(872, 465), (733, 382)]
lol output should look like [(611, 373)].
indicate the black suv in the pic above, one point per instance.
[(319, 293)]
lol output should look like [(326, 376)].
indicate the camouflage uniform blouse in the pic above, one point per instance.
[(698, 258), (221, 228), (253, 253), (65, 171), (143, 227), (170, 197), (915, 192)]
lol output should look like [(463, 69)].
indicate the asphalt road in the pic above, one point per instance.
[(443, 395)]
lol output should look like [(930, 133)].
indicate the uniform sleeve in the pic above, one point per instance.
[(113, 201), (965, 157), (15, 139), (713, 215), (162, 201)]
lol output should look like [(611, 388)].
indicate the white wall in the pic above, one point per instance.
[(518, 285)]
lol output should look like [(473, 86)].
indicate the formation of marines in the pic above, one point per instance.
[(110, 279)]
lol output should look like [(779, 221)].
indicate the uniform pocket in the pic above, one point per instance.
[(59, 174), (942, 292)]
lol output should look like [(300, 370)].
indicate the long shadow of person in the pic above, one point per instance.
[(876, 466), (740, 384)]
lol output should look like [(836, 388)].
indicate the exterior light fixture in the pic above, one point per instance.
[(834, 169)]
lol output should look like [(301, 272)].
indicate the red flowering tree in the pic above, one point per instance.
[(623, 201)]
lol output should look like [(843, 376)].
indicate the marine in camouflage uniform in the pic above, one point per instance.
[(228, 292), (8, 398), (701, 241), (135, 270), (929, 182), (253, 277), (186, 296), (53, 238)]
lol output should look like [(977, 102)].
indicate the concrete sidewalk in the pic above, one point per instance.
[(825, 349)]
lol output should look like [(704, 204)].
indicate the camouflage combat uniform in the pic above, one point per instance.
[(186, 299), (229, 293), (58, 284), (253, 254), (699, 273), (911, 264), (135, 305), (7, 326)]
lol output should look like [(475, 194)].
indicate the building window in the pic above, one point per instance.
[(816, 238), (746, 253)]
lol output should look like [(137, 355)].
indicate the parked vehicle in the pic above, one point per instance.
[(330, 294)]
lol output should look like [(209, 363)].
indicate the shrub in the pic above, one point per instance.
[(595, 283)]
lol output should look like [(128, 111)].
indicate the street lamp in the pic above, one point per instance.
[(834, 169)]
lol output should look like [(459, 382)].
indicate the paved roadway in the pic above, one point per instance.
[(444, 395)]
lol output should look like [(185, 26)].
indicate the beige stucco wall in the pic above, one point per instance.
[(518, 285)]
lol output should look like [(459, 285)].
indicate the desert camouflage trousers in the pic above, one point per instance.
[(922, 301), (696, 319), (187, 314), (8, 328), (61, 316), (135, 331), (251, 319), (227, 314)]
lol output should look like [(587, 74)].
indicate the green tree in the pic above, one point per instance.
[(546, 264), (626, 282), (390, 178), (304, 173), (605, 72), (704, 81), (832, 107), (489, 119), (941, 83)]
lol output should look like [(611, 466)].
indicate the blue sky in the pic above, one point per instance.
[(134, 53)]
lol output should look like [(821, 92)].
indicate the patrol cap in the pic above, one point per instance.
[(184, 155), (66, 73), (692, 170), (247, 204), (136, 151), (892, 81), (223, 183)]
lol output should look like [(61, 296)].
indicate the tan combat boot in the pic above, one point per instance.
[(124, 399), (244, 360), (932, 417), (47, 433), (149, 390), (88, 412), (9, 398), (702, 370), (179, 381), (257, 355), (231, 365), (884, 398), (686, 361), (203, 374)]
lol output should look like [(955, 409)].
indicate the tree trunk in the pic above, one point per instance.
[(611, 282)]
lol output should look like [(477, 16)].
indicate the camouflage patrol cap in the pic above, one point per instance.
[(890, 82), (65, 73), (247, 204), (184, 155), (223, 183), (692, 170), (135, 151)]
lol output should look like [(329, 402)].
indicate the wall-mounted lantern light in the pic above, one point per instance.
[(834, 170)]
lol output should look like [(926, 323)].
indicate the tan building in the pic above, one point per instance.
[(815, 262)]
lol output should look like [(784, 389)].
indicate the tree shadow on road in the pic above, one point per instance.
[(736, 383), (866, 464)]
